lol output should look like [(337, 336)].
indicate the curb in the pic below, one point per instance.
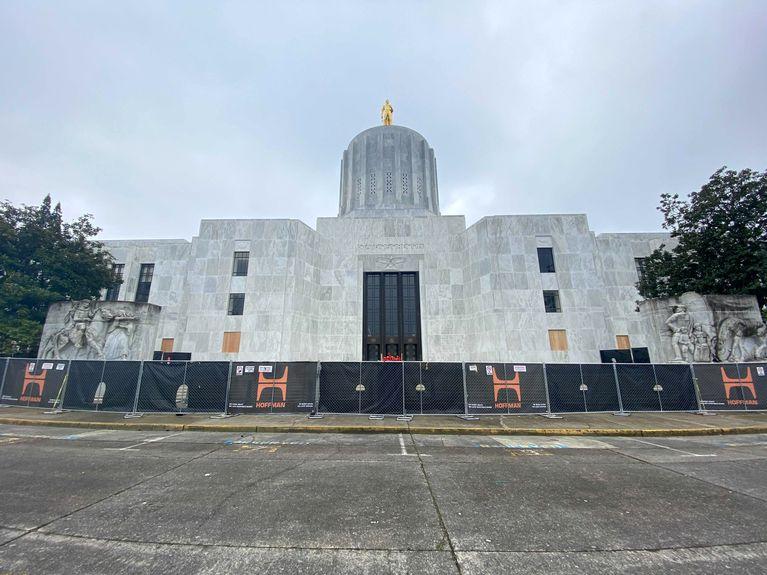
[(422, 430)]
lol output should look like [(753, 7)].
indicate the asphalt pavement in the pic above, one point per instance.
[(121, 501)]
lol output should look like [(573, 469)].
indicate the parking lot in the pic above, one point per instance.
[(108, 501)]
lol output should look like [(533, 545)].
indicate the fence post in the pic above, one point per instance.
[(315, 413), (657, 388), (584, 388), (404, 416), (133, 414), (58, 404), (548, 413), (2, 383), (620, 411), (466, 414), (698, 397), (225, 414)]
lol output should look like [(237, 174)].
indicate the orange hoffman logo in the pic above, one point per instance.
[(513, 384), (265, 383), (747, 382), (32, 388)]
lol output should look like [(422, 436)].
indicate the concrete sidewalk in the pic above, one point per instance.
[(638, 424)]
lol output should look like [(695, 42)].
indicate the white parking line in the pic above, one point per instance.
[(672, 448), (402, 445), (153, 440)]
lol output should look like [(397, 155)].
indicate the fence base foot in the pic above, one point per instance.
[(375, 417), (224, 415), (550, 416), (704, 412), (55, 411), (404, 418), (315, 416), (467, 417), (133, 415), (621, 414)]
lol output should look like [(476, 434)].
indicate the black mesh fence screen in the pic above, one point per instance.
[(647, 387), (378, 387), (505, 388), (362, 387), (180, 386), (581, 387), (264, 387), (102, 385), (433, 388), (33, 382)]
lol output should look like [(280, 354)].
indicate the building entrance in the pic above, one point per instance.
[(391, 322)]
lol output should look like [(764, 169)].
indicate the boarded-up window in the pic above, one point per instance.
[(558, 340), (231, 342), (623, 341), (167, 345)]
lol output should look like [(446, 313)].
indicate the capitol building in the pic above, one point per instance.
[(390, 275)]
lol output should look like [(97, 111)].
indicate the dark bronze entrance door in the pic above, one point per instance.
[(391, 322)]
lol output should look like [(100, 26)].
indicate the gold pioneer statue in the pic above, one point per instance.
[(386, 113)]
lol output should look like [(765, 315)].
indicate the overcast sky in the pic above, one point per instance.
[(154, 115)]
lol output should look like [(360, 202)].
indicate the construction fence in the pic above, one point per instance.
[(379, 388)]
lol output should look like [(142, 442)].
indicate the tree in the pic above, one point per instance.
[(42, 260), (721, 235)]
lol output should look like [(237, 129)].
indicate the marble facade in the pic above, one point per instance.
[(481, 287)]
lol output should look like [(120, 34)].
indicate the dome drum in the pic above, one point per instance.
[(388, 168)]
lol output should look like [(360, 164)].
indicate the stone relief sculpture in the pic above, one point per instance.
[(680, 325), (701, 344), (739, 341), (734, 339), (92, 331)]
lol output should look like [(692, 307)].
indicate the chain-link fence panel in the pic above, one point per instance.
[(34, 382), (341, 387), (722, 387), (432, 388), (102, 385), (361, 387), (757, 374), (651, 387), (383, 382), (581, 387), (206, 383), (505, 388), (271, 387), (183, 386)]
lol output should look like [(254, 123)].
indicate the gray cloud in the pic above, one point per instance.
[(155, 115)]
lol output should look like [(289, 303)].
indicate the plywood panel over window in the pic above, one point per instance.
[(167, 345), (623, 341), (231, 342), (558, 340)]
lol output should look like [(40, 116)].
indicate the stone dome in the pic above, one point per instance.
[(388, 170)]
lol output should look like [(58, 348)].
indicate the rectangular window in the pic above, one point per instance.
[(639, 263), (231, 342), (551, 301), (558, 340), (144, 283), (391, 306), (113, 291), (623, 341), (167, 345), (240, 266), (546, 260), (236, 303)]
